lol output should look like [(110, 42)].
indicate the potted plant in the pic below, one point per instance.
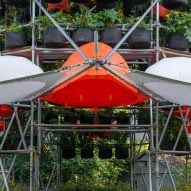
[(107, 21), (83, 23), (68, 144), (178, 29), (52, 37), (174, 4), (104, 148), (15, 36), (86, 145), (140, 38)]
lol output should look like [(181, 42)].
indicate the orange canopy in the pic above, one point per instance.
[(95, 87)]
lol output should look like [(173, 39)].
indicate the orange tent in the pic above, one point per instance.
[(95, 87)]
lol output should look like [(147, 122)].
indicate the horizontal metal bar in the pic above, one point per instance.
[(95, 130), (14, 151)]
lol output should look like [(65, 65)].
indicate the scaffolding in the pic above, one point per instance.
[(40, 55)]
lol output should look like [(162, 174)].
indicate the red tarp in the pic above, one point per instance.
[(95, 87)]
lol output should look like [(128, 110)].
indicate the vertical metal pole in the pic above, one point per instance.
[(151, 123), (157, 147), (33, 31), (3, 174), (39, 146), (131, 159), (150, 172), (31, 146), (157, 32)]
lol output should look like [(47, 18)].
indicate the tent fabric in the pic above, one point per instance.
[(5, 111), (95, 87)]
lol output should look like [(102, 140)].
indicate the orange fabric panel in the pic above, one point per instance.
[(62, 6), (95, 87)]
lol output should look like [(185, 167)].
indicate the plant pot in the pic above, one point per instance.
[(102, 5), (87, 152), (135, 2), (2, 8), (62, 6), (16, 2), (68, 152), (86, 119), (174, 4), (140, 39), (53, 38), (110, 36), (127, 9), (53, 1), (105, 152), (163, 12), (83, 35), (15, 39), (177, 41), (121, 151)]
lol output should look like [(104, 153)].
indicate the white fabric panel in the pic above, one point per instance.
[(12, 67)]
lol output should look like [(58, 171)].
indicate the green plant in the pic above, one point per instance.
[(44, 22), (179, 22), (14, 27)]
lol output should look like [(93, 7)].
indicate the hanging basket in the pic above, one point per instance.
[(121, 151), (177, 41), (110, 36), (140, 39), (174, 4), (105, 152), (83, 35), (15, 40), (87, 152), (68, 152), (53, 38)]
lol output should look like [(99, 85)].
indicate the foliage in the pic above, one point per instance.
[(44, 22), (179, 22), (14, 27)]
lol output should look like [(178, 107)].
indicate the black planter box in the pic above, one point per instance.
[(105, 152), (101, 4), (134, 2), (140, 39), (83, 35), (17, 2), (53, 1), (110, 36), (53, 38), (68, 152), (15, 40), (87, 152), (177, 41), (2, 8), (174, 4), (121, 152)]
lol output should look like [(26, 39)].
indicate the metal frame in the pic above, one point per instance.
[(37, 55)]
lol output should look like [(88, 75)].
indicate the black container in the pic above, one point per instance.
[(105, 152), (110, 36), (121, 151), (140, 39), (83, 35), (102, 5), (53, 1), (68, 152), (177, 41), (17, 2), (174, 4), (87, 152), (53, 38), (2, 8), (15, 39), (135, 2)]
